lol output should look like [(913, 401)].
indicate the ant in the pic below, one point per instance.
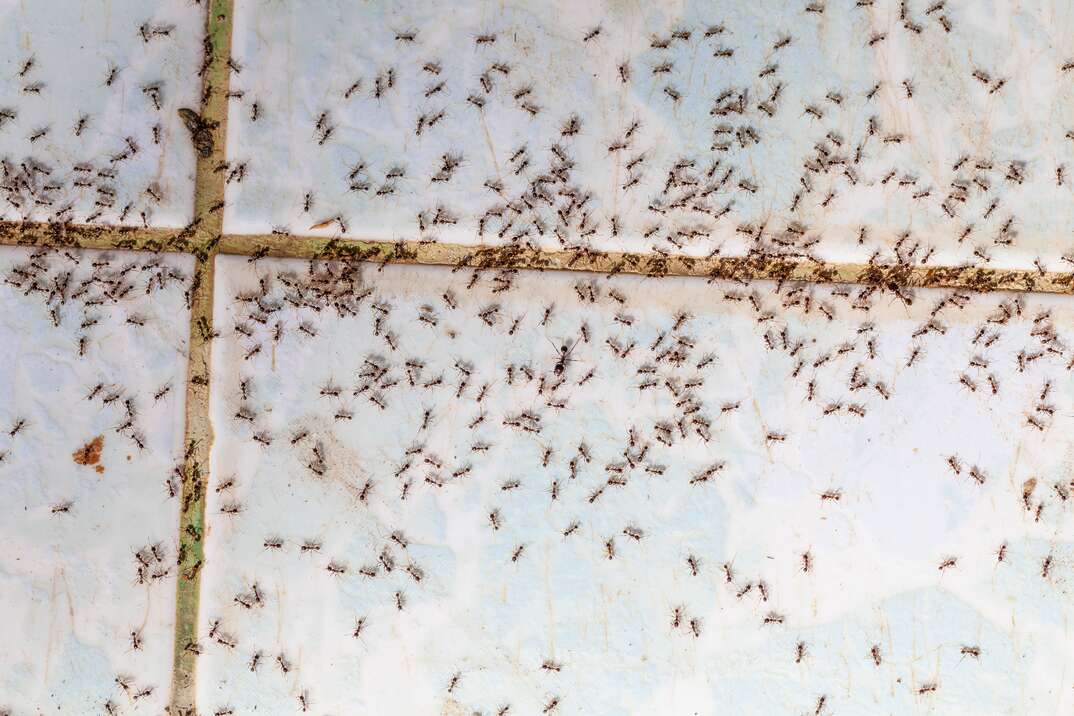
[(565, 351)]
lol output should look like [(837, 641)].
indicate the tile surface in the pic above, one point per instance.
[(404, 514), (858, 130), (89, 123), (87, 450)]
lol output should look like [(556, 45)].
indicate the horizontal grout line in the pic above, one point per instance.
[(96, 236), (656, 265), (516, 257)]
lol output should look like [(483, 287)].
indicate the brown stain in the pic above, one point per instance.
[(764, 428), (51, 626), (1027, 488), (280, 616), (605, 600), (489, 143), (452, 708), (550, 594), (90, 453), (70, 599)]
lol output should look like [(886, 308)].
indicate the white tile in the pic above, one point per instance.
[(74, 524), (300, 64), (875, 553), (72, 49)]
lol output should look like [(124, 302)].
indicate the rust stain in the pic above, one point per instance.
[(90, 453)]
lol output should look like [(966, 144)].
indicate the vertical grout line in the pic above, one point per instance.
[(207, 225)]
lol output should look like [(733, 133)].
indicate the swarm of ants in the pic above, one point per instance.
[(97, 341), (566, 411), (388, 437), (89, 129), (710, 140)]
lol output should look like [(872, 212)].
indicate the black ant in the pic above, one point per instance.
[(564, 358)]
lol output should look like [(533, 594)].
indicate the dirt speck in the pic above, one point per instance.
[(90, 453)]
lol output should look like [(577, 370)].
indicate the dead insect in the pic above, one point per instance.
[(200, 131)]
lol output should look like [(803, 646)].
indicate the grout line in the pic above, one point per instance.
[(203, 238), (886, 276), (205, 232), (94, 236)]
